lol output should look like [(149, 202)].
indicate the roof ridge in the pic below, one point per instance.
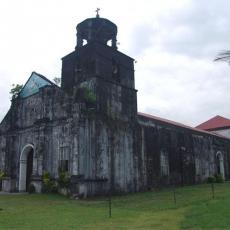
[(42, 76), (180, 125), (215, 123)]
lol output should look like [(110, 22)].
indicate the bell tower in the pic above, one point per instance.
[(97, 65), (98, 30)]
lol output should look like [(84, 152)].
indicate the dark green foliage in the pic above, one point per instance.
[(89, 95), (57, 81), (54, 188), (15, 90), (219, 178), (215, 179), (211, 179), (48, 186), (63, 179), (2, 174), (31, 189)]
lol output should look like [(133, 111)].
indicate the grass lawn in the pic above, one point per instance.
[(194, 209)]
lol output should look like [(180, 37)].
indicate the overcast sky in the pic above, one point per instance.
[(174, 43)]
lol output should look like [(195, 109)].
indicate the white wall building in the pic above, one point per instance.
[(217, 124)]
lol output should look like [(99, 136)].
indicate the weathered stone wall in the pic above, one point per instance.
[(43, 120), (96, 60), (2, 153), (106, 156), (107, 152), (191, 154)]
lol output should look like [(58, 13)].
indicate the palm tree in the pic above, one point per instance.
[(223, 56)]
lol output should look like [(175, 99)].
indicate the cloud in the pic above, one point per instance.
[(174, 43), (175, 74), (141, 38), (182, 88), (199, 30)]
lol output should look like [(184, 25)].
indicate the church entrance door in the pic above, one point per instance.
[(26, 167)]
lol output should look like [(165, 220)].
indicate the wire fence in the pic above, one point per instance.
[(169, 198)]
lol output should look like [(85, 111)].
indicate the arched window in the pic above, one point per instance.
[(164, 163), (220, 163)]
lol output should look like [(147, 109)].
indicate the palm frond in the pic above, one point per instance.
[(223, 56)]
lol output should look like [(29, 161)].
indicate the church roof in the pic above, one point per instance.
[(196, 129), (215, 123), (33, 84)]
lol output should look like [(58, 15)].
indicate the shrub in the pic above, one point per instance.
[(211, 179), (2, 174), (219, 178), (89, 95), (54, 188), (31, 189), (48, 186), (63, 179)]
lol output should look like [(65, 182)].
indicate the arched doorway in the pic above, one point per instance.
[(220, 163), (26, 167)]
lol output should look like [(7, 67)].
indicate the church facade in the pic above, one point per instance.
[(90, 128)]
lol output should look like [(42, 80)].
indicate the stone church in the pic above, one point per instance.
[(90, 128)]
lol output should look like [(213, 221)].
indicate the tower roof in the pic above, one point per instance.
[(215, 123), (96, 30)]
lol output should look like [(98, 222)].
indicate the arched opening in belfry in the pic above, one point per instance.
[(109, 43), (84, 42), (220, 163), (26, 167)]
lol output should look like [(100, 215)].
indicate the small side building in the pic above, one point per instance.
[(217, 124)]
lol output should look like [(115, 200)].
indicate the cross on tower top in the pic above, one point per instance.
[(97, 11)]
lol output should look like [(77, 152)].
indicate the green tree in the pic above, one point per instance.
[(15, 90), (57, 81), (223, 56)]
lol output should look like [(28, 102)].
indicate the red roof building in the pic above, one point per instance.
[(176, 124), (215, 123)]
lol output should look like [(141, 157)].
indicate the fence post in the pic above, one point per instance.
[(174, 194), (213, 190), (110, 204)]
